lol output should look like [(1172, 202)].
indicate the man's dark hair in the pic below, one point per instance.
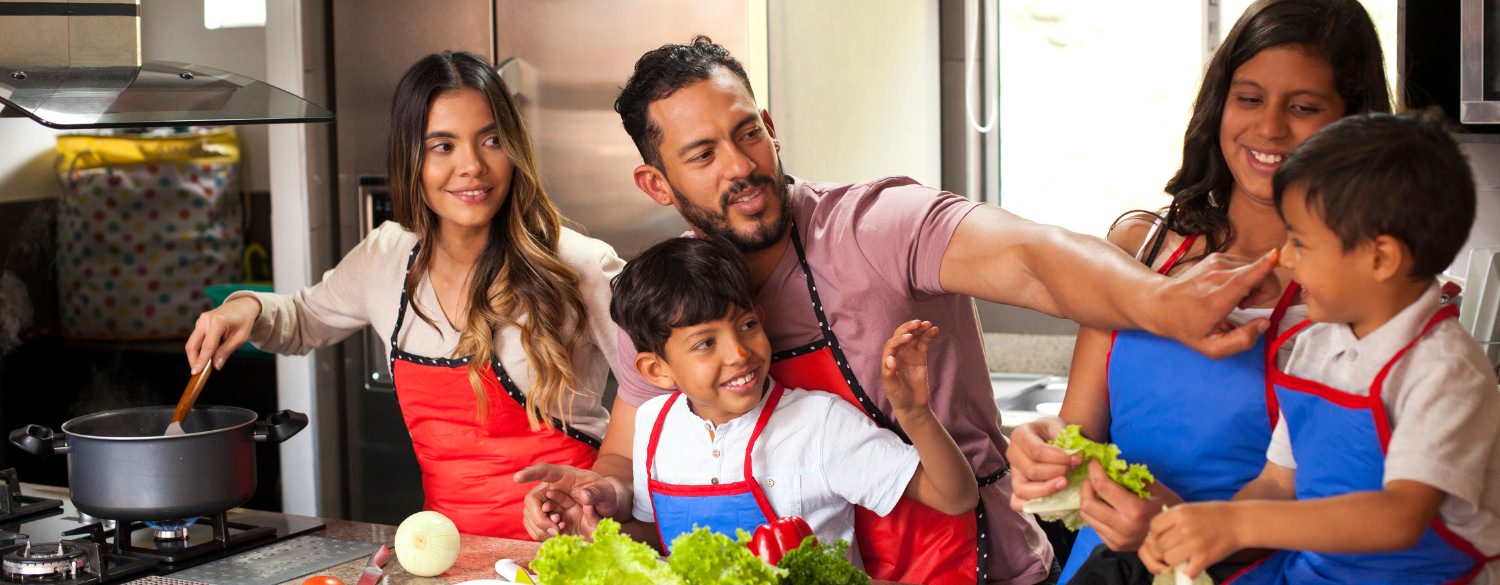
[(660, 73), (678, 283), (1401, 175)]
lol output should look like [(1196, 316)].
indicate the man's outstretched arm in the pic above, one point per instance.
[(996, 256)]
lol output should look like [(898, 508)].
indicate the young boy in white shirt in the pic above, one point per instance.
[(733, 449), (1385, 464)]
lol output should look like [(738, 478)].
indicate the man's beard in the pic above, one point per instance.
[(715, 224)]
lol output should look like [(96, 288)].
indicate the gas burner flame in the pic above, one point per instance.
[(171, 525)]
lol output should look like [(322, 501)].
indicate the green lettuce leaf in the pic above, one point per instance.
[(814, 564), (1170, 577), (704, 557), (1063, 506), (611, 559)]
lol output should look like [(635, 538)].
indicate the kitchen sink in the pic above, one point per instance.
[(1025, 397)]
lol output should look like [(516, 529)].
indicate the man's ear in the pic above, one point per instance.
[(765, 116), (1389, 258), (655, 370), (651, 181)]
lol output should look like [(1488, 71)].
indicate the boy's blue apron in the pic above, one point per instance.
[(1339, 440), (721, 507), (1201, 425)]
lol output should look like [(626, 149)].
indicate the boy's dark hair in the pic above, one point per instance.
[(659, 74), (678, 283), (1401, 175)]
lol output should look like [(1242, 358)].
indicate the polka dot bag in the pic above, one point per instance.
[(145, 223)]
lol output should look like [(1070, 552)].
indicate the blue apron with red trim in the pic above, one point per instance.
[(1200, 424), (1340, 440), (467, 466), (914, 543), (720, 507)]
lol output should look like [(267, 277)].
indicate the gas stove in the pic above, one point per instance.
[(45, 540)]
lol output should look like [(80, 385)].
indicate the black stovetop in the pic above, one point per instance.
[(95, 550)]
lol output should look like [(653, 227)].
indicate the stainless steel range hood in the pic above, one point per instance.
[(76, 64)]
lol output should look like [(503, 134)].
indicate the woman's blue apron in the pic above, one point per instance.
[(1201, 425)]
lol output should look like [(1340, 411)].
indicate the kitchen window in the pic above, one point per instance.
[(1095, 96)]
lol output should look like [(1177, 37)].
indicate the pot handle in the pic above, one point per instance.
[(279, 427), (39, 440)]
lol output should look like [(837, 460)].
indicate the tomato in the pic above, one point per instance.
[(322, 580)]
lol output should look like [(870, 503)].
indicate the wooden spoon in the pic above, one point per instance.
[(185, 404)]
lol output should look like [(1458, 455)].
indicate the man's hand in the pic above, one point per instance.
[(903, 366), (1037, 468), (568, 500), (1191, 307), (1119, 516), (1191, 537)]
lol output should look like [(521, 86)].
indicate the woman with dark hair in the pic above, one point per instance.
[(1286, 69), (497, 315)]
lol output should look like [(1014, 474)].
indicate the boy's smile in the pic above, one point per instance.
[(1335, 282), (720, 364)]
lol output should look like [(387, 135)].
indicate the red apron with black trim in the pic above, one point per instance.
[(720, 507), (467, 466), (1340, 441), (914, 543)]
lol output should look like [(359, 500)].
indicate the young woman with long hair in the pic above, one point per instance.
[(1286, 69), (497, 315)]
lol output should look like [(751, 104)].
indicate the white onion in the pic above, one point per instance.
[(426, 543)]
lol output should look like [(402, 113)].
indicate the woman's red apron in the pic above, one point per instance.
[(914, 543), (467, 466)]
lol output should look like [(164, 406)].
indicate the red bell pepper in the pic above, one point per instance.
[(770, 541)]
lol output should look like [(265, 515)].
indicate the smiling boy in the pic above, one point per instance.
[(733, 449), (1385, 464)]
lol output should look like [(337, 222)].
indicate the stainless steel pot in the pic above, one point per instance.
[(120, 467)]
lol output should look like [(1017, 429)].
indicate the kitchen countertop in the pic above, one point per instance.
[(476, 557)]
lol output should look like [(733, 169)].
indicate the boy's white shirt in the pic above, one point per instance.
[(1444, 406), (817, 457)]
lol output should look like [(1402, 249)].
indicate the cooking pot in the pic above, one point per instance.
[(120, 467)]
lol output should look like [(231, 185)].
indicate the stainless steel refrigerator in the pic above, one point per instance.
[(566, 60)]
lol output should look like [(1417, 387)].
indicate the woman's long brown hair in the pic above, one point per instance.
[(519, 281)]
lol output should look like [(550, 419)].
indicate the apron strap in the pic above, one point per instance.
[(1281, 340), (1273, 405), (833, 345), (661, 417), (760, 425), (405, 296), (1444, 312), (1177, 254)]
